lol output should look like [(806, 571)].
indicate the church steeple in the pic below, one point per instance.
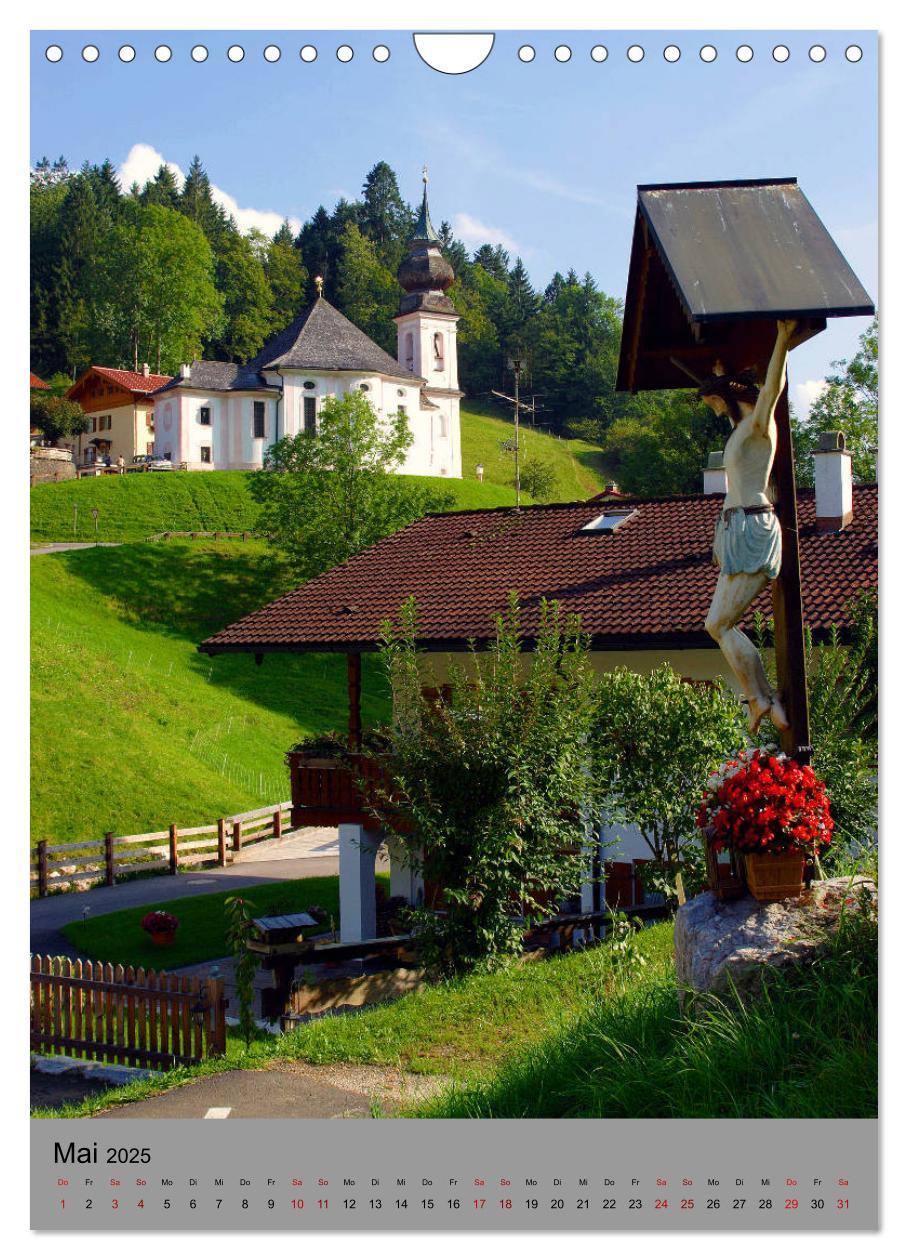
[(425, 274), (424, 231)]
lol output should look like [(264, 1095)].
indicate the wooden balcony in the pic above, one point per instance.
[(326, 791)]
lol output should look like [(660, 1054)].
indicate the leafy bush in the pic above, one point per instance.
[(492, 777), (658, 739), (842, 696), (537, 477)]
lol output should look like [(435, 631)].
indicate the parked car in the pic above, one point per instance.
[(149, 463)]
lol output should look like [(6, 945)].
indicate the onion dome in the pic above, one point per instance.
[(425, 274)]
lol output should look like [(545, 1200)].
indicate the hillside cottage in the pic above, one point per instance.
[(637, 571), (119, 406), (227, 415)]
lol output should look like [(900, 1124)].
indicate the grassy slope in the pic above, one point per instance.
[(578, 467), (130, 724), (132, 507)]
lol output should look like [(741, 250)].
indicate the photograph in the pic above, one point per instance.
[(453, 571)]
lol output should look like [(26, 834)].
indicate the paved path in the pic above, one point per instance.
[(286, 1090), (51, 548), (309, 851)]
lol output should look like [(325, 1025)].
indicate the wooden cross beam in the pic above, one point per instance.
[(787, 607)]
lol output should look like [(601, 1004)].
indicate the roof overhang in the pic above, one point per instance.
[(713, 266)]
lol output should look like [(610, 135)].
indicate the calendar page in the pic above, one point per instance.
[(453, 564)]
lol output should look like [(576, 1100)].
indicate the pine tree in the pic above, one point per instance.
[(367, 293), (385, 219), (163, 190)]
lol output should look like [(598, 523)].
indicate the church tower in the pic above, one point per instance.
[(427, 343)]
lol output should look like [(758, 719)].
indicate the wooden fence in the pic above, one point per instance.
[(123, 1014), (163, 851)]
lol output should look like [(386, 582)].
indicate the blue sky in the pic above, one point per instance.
[(543, 157)]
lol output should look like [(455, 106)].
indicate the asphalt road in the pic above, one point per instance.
[(284, 1091)]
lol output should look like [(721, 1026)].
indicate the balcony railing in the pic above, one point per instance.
[(326, 790)]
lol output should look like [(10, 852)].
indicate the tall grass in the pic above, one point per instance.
[(806, 1047)]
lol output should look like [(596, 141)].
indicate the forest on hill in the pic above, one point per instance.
[(161, 274)]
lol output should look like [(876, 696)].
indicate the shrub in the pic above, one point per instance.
[(842, 695), (491, 779), (537, 477), (658, 739)]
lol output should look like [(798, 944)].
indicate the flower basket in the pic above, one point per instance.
[(770, 814), (160, 926), (774, 876)]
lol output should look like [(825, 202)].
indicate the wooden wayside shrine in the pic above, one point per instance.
[(713, 267)]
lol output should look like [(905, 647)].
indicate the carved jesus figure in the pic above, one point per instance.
[(747, 545)]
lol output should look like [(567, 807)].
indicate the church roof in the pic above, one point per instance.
[(424, 231), (638, 572), (322, 338)]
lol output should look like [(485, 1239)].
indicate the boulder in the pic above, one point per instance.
[(720, 944)]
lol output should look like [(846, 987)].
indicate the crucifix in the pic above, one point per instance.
[(725, 279)]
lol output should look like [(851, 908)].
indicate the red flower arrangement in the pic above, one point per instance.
[(159, 921), (765, 802)]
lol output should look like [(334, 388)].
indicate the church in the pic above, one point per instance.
[(226, 415)]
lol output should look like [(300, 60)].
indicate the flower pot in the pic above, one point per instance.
[(163, 938), (774, 876)]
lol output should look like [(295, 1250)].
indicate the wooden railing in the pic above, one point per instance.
[(125, 1015), (163, 851)]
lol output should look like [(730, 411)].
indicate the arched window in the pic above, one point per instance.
[(409, 358), (438, 345)]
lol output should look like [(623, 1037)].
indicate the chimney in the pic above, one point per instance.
[(832, 477), (714, 479), (185, 371), (146, 370)]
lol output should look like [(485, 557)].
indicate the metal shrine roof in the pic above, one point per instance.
[(714, 265)]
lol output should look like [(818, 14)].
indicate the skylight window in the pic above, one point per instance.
[(607, 522)]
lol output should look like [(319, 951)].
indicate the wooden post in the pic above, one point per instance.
[(276, 824), (42, 868), (108, 859), (788, 612), (222, 842), (174, 856), (354, 700), (237, 836)]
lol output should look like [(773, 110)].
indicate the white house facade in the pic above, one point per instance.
[(226, 415)]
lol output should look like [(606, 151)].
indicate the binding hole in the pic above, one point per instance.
[(672, 53), (526, 52), (635, 53), (199, 53), (53, 53)]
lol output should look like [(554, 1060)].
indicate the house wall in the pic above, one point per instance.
[(435, 451), (127, 425), (180, 433)]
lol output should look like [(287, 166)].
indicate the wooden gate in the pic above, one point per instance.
[(125, 1015)]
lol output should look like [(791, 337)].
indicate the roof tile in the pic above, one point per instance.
[(649, 583)]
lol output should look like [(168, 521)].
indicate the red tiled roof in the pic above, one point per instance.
[(35, 382), (648, 584), (137, 382)]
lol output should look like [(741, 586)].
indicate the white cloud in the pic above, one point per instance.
[(142, 163), (805, 395), (472, 232)]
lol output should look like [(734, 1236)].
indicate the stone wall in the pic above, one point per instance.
[(50, 463)]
